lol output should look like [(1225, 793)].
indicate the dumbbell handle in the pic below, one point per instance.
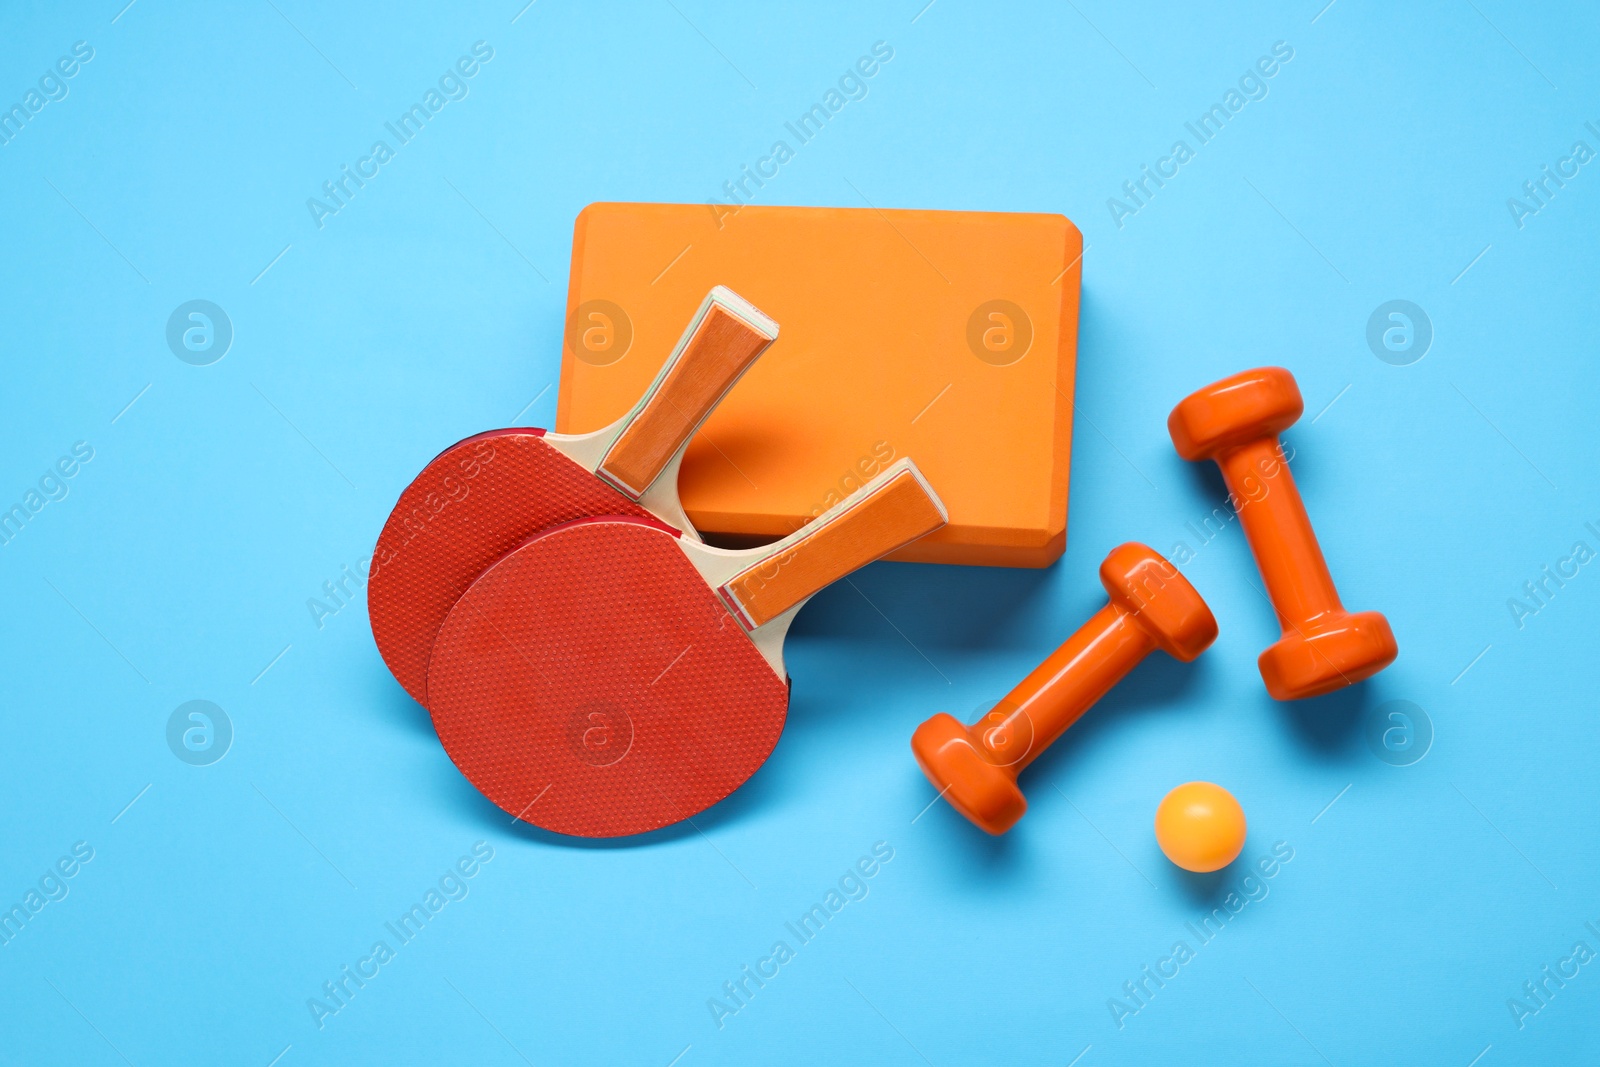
[(1058, 691), (1279, 531)]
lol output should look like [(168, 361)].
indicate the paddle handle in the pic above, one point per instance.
[(719, 345), (894, 509)]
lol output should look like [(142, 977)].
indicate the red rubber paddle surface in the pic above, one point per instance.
[(592, 683), (476, 500)]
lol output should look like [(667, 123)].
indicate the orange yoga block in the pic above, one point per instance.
[(946, 336)]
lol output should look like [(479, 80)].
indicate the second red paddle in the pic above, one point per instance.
[(610, 677)]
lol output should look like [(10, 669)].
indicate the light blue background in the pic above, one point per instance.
[(180, 564)]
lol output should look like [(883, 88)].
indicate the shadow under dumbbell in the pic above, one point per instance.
[(979, 861), (1330, 725)]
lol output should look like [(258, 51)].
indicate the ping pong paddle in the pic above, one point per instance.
[(609, 676), (482, 496)]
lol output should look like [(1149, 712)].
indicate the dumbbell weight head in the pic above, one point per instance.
[(967, 773), (1340, 650), (1234, 411), (1160, 599)]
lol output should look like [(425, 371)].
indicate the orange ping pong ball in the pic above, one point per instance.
[(1200, 826)]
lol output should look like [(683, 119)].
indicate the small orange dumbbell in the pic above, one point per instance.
[(1152, 606), (1236, 422)]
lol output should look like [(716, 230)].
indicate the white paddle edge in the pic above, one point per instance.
[(660, 497), (718, 566)]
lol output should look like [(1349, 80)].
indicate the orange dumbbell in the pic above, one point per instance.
[(1152, 606), (1236, 422)]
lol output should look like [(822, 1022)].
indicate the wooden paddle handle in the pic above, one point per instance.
[(894, 509), (719, 345)]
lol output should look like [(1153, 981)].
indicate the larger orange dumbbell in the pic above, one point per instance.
[(1152, 606), (1236, 422)]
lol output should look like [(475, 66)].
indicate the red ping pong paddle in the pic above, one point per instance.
[(482, 496), (609, 676)]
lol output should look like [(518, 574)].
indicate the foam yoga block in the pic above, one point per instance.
[(949, 337)]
